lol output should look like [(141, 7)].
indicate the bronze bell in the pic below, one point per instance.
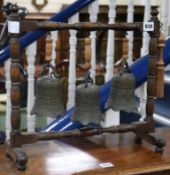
[(122, 95), (49, 99), (87, 109)]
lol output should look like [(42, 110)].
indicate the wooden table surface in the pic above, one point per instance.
[(84, 156)]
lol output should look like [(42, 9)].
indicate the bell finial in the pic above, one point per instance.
[(88, 79)]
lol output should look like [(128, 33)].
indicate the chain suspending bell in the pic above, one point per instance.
[(122, 95), (49, 95), (87, 110)]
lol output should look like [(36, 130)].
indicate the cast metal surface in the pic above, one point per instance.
[(122, 95), (87, 108), (49, 99)]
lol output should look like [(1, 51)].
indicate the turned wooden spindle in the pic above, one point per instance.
[(15, 79), (58, 48), (125, 48), (118, 64), (14, 150), (160, 68), (48, 48), (151, 80), (87, 54)]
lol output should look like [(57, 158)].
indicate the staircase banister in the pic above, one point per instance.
[(30, 37), (139, 68)]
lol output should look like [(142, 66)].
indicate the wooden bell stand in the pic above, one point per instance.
[(143, 129)]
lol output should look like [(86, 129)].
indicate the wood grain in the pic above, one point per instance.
[(160, 68), (82, 156)]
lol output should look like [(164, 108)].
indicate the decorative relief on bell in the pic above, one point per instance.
[(122, 95), (87, 109), (49, 100)]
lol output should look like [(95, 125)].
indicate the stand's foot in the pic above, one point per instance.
[(159, 150), (21, 166), (154, 140), (19, 156), (138, 140)]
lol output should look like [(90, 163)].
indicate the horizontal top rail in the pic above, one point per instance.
[(86, 26)]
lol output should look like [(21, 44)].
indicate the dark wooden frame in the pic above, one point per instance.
[(1, 13), (142, 129)]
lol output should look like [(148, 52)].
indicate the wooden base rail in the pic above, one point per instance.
[(135, 127), (142, 130), (78, 133)]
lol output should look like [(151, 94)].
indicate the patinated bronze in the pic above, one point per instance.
[(142, 129), (122, 95), (49, 99), (87, 109)]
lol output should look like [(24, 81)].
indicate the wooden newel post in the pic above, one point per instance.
[(48, 48), (160, 68), (88, 53)]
